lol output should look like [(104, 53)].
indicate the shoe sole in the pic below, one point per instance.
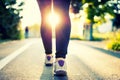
[(48, 65), (60, 73)]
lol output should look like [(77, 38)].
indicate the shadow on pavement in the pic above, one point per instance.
[(108, 52), (115, 54), (47, 74), (60, 77)]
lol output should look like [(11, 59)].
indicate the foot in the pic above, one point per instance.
[(60, 67), (49, 60)]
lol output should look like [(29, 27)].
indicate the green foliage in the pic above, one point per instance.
[(9, 19), (116, 46), (95, 2), (90, 12), (98, 8), (114, 43), (21, 34), (95, 8)]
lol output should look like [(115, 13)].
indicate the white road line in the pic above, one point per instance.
[(13, 55)]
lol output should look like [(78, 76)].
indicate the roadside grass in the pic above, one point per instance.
[(112, 39), (2, 41), (76, 37)]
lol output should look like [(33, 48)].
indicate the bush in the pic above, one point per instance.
[(116, 46), (21, 34), (9, 19), (114, 43)]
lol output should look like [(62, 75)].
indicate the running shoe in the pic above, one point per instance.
[(60, 68), (49, 60)]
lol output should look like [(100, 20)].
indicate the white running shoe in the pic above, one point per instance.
[(60, 68), (49, 60)]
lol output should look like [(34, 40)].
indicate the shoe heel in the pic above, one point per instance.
[(48, 65), (60, 73)]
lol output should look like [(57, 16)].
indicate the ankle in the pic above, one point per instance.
[(57, 59), (48, 54)]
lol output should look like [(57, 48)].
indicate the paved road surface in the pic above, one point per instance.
[(84, 62)]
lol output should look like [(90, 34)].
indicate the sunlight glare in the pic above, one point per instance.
[(53, 19)]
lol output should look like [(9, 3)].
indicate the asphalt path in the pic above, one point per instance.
[(24, 60)]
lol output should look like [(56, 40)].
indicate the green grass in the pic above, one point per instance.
[(76, 37), (112, 38), (101, 36), (2, 41)]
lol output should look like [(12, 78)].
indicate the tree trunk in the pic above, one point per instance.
[(88, 31), (91, 32)]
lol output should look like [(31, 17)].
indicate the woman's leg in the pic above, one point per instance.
[(46, 29), (63, 28)]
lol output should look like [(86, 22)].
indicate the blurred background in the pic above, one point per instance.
[(91, 20)]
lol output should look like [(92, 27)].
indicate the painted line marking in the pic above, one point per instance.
[(13, 55)]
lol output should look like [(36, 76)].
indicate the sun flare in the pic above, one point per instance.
[(53, 19)]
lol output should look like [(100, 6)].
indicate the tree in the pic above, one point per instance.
[(90, 11), (9, 19), (94, 8), (97, 8), (115, 4)]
